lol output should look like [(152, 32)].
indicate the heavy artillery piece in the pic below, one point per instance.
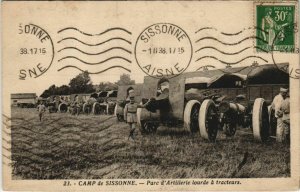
[(100, 103), (57, 103), (76, 102), (208, 101)]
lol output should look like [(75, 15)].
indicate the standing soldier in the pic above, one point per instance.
[(41, 109), (130, 111), (285, 108), (276, 105)]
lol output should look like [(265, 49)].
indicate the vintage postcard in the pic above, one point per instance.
[(150, 95)]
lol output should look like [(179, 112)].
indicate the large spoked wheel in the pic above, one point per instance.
[(273, 122), (260, 120), (138, 115), (230, 126), (148, 127), (96, 108), (86, 108), (115, 110), (191, 115), (62, 108), (208, 120)]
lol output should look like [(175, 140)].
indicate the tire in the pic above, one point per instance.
[(138, 115), (191, 115), (148, 127), (62, 108), (273, 122), (208, 120), (115, 110), (230, 129), (96, 108), (85, 108), (107, 109), (230, 124), (260, 120)]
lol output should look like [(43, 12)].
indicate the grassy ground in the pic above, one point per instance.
[(94, 147)]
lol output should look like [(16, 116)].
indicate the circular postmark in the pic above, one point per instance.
[(163, 50), (35, 51), (294, 72)]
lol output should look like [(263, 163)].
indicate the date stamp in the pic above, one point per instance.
[(163, 50), (35, 52)]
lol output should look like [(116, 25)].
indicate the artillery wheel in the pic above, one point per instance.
[(191, 115), (107, 109), (115, 110), (260, 120), (84, 108), (138, 115), (208, 120), (272, 121), (62, 108), (96, 108), (148, 127), (230, 129)]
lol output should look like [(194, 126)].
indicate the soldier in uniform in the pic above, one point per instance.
[(130, 115), (285, 108), (41, 109), (276, 105)]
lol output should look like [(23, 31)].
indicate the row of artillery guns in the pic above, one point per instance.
[(95, 103), (210, 101)]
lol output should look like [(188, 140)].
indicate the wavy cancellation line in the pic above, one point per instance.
[(30, 123), (97, 63), (98, 72), (97, 34), (232, 53), (230, 44), (231, 63), (99, 53), (61, 132), (96, 44), (230, 34)]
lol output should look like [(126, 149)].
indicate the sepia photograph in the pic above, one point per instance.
[(124, 96)]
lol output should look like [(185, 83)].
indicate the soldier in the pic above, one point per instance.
[(276, 105), (285, 108), (130, 111), (41, 109), (77, 107)]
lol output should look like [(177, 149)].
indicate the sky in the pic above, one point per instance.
[(218, 18)]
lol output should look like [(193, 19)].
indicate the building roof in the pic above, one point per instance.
[(23, 96)]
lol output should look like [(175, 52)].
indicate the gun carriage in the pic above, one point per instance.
[(208, 101), (101, 103), (57, 103)]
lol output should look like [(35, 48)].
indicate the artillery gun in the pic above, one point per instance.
[(76, 103), (57, 103), (100, 103), (208, 101), (108, 100)]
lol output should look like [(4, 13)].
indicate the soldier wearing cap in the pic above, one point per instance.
[(41, 109), (130, 111), (276, 105), (285, 108)]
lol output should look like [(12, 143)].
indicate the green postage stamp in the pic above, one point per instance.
[(275, 28)]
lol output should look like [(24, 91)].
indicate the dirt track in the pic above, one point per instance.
[(87, 146)]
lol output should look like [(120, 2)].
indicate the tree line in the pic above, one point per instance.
[(82, 84)]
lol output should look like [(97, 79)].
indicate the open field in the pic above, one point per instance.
[(94, 147)]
